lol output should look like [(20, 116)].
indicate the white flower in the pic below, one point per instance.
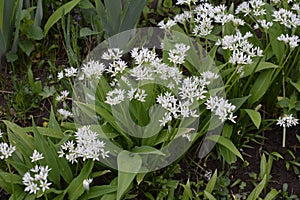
[(64, 113), (188, 2), (86, 183), (1, 134), (60, 75), (177, 55), (168, 25), (6, 150), (115, 96), (287, 121), (242, 50), (36, 156), (244, 8), (286, 18), (87, 146), (264, 24), (292, 41), (93, 69), (63, 95), (221, 107), (112, 54), (69, 72), (37, 180)]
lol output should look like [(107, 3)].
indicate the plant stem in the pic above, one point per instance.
[(283, 136), (11, 180)]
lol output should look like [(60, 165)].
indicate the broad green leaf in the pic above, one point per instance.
[(260, 87), (187, 193), (248, 69), (87, 32), (227, 130), (99, 191), (263, 166), (271, 195), (53, 122), (64, 9), (146, 150), (47, 92), (65, 170), (6, 180), (34, 32), (238, 102), (254, 116), (19, 137), (50, 155), (296, 85), (129, 165), (209, 195), (132, 14), (228, 156), (75, 189), (26, 46), (254, 195), (50, 132), (39, 13), (226, 143), (211, 184)]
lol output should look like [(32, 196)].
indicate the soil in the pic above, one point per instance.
[(279, 172)]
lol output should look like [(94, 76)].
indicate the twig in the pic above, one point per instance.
[(7, 92)]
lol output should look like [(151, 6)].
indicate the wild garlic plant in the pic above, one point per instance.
[(250, 35)]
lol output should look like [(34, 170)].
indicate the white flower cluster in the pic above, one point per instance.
[(263, 23), (37, 177), (64, 113), (253, 6), (92, 69), (242, 50), (6, 150), (286, 18), (68, 72), (177, 55), (292, 41), (287, 121), (63, 95), (86, 146), (221, 107)]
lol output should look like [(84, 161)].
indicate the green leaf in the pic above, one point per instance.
[(26, 46), (238, 102), (271, 195), (87, 32), (248, 69), (187, 193), (254, 116), (211, 184), (132, 14), (33, 32), (39, 13), (47, 92), (209, 196), (75, 189), (226, 143), (98, 191), (228, 156), (147, 150), (50, 155), (63, 10), (254, 195), (260, 87), (129, 165), (53, 122), (296, 85)]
